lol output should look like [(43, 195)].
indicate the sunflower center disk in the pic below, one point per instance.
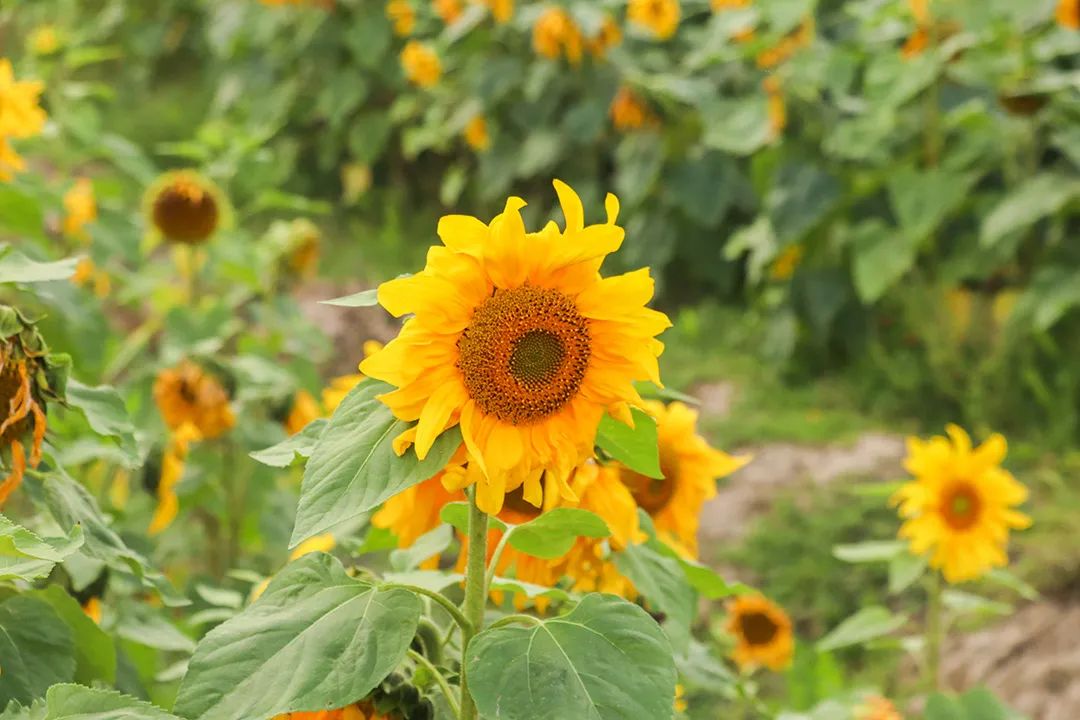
[(524, 355), (758, 628), (961, 508), (185, 213), (651, 494)]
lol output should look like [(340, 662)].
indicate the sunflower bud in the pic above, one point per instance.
[(185, 207)]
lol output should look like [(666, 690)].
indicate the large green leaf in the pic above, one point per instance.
[(354, 468), (20, 214), (16, 267), (76, 702), (881, 257), (869, 551), (105, 412), (605, 660), (1040, 196), (552, 534), (664, 584), (36, 649), (315, 639), (922, 198), (25, 556), (867, 624), (302, 443), (635, 447), (95, 652)]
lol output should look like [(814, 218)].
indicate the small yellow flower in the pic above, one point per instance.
[(476, 134), (762, 632), (960, 506), (87, 274), (680, 700), (629, 112), (20, 114), (448, 10), (43, 40), (185, 207), (555, 33), (402, 15), (421, 64), (660, 17), (188, 395), (877, 708), (794, 41), (783, 267), (355, 181), (501, 10), (80, 209), (92, 609), (609, 36), (1068, 14)]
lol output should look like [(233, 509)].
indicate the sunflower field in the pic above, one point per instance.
[(539, 359)]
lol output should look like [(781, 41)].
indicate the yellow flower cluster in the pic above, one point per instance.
[(630, 112), (556, 34), (501, 10), (659, 17), (402, 16), (448, 10), (421, 64), (476, 133), (21, 116)]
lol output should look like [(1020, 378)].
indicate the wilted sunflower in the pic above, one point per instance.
[(421, 64), (960, 506), (877, 708), (660, 17), (762, 632), (555, 33), (476, 133), (516, 337), (80, 209), (629, 112), (690, 468), (188, 395), (185, 207), (29, 378)]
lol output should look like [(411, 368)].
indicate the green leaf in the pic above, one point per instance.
[(25, 556), (16, 267), (456, 514), (962, 602), (428, 545), (36, 649), (95, 652), (20, 214), (529, 590), (605, 660), (354, 468), (146, 625), (980, 704), (739, 127), (869, 551), (434, 580), (922, 198), (16, 711), (364, 298), (315, 639), (905, 569), (664, 584), (867, 624), (1042, 195), (635, 447), (551, 534), (801, 196), (881, 257), (702, 578), (75, 702), (105, 412), (943, 707), (285, 452)]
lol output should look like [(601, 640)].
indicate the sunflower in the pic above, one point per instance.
[(185, 207), (959, 507), (555, 33), (339, 387), (87, 274), (421, 64), (80, 209), (448, 10), (304, 409), (660, 17), (1068, 14), (877, 708), (402, 15), (608, 36), (43, 40), (791, 43), (187, 395), (501, 10), (417, 510), (516, 337), (762, 632), (690, 468), (629, 112), (476, 133), (20, 114)]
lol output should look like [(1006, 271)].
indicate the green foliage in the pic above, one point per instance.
[(634, 446)]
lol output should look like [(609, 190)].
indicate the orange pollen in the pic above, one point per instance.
[(525, 353)]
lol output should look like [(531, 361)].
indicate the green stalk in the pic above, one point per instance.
[(475, 596), (934, 633)]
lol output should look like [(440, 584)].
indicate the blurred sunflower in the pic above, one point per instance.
[(80, 209), (690, 468), (358, 711), (501, 10), (185, 207), (29, 379), (629, 112), (660, 17), (785, 264), (608, 36), (1068, 14), (791, 43), (960, 506), (516, 337), (43, 40), (304, 409), (339, 387), (402, 15), (776, 108), (87, 274), (448, 10), (10, 162), (20, 116), (421, 64), (877, 708), (555, 33), (762, 632), (476, 133)]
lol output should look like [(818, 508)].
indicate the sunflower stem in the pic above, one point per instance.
[(934, 633), (444, 686), (493, 564), (475, 596)]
